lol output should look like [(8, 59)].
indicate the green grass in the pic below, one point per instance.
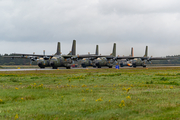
[(91, 94)]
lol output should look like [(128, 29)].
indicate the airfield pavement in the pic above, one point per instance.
[(63, 68)]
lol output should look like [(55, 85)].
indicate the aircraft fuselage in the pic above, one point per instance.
[(138, 62), (100, 62), (60, 61)]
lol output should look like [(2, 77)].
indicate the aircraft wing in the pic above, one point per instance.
[(159, 58), (67, 56), (27, 57), (153, 58), (91, 56), (12, 57), (143, 58), (24, 55), (125, 57)]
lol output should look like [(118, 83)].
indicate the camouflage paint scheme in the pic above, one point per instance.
[(59, 60), (89, 61), (141, 61), (95, 60)]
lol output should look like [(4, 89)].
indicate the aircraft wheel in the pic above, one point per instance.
[(144, 66), (121, 65), (84, 66), (99, 66), (54, 67), (94, 66), (68, 67), (110, 66), (42, 67), (134, 66)]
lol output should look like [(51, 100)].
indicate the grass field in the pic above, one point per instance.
[(138, 93)]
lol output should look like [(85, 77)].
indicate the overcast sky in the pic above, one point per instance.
[(28, 26)]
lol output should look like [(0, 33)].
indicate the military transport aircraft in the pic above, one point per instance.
[(59, 60), (106, 60), (141, 61), (90, 61), (99, 60), (56, 60), (124, 62)]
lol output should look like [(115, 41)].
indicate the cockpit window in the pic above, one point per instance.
[(84, 58), (134, 60), (54, 58)]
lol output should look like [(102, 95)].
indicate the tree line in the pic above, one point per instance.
[(15, 61)]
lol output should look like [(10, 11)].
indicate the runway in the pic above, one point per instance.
[(63, 68), (33, 69)]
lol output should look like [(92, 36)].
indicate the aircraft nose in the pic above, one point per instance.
[(97, 64), (52, 63), (39, 63)]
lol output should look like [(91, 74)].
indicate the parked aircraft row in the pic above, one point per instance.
[(95, 60)]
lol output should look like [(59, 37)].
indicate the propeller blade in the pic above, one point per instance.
[(30, 62), (44, 62)]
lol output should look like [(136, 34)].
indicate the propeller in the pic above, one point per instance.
[(30, 61), (75, 58), (69, 60), (32, 58), (127, 59), (72, 61), (116, 62), (115, 58)]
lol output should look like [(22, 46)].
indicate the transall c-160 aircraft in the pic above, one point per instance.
[(58, 60), (141, 61), (54, 61)]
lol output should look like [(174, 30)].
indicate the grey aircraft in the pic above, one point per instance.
[(124, 62), (54, 61), (141, 61), (59, 60), (97, 60), (90, 61), (106, 60)]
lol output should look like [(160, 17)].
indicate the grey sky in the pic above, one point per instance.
[(35, 25)]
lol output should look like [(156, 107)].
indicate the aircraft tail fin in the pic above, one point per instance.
[(73, 50), (132, 52), (146, 52), (114, 50), (97, 50), (58, 49)]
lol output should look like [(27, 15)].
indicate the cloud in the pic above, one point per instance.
[(128, 23)]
